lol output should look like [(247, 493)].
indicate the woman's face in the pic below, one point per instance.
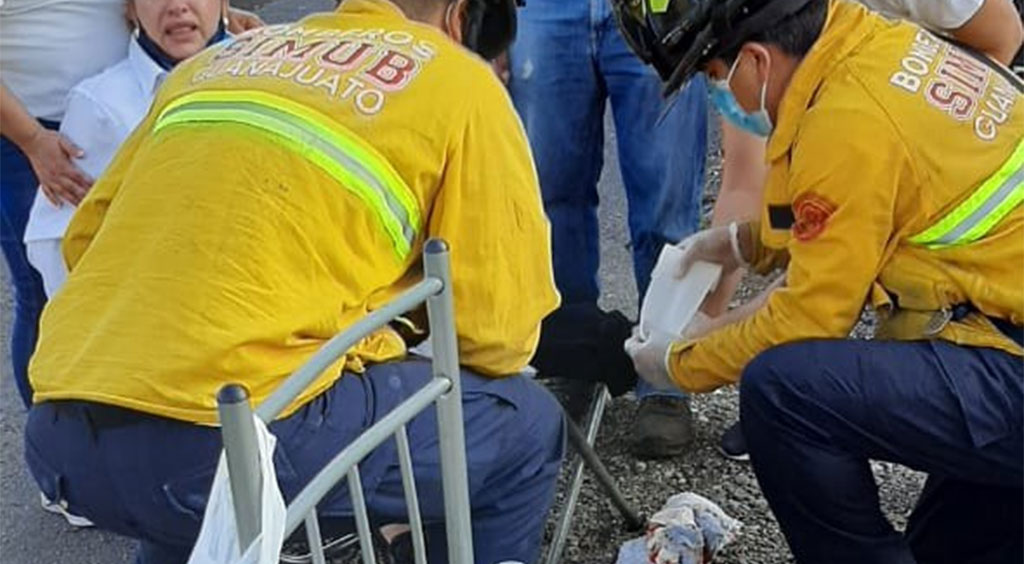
[(181, 28)]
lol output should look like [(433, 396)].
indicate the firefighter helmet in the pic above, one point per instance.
[(677, 36)]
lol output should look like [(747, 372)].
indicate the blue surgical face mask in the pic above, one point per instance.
[(758, 122), (160, 57)]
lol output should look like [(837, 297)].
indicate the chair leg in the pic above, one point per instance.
[(634, 520), (584, 445)]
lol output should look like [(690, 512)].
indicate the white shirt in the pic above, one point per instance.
[(938, 15), (48, 46), (101, 112)]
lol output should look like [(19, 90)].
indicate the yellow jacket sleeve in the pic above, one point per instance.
[(88, 218), (489, 210), (844, 168), (763, 259)]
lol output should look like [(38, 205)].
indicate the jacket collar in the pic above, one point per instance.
[(147, 72), (847, 26), (370, 6)]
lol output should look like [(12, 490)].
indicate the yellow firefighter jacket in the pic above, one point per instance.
[(896, 176), (281, 187)]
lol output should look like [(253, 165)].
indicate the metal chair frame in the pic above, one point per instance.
[(444, 389), (582, 441)]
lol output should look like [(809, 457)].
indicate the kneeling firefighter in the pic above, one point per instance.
[(896, 179)]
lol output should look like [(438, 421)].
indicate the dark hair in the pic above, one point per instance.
[(794, 35)]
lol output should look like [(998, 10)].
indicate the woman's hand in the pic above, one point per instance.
[(60, 180)]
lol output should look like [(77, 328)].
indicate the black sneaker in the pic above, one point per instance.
[(732, 445), (663, 427)]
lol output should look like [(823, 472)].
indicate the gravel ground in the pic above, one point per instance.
[(28, 536)]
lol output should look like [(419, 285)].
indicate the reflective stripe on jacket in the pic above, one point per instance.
[(973, 218), (349, 160)]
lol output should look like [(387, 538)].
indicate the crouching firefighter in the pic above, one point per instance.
[(896, 179), (281, 187)]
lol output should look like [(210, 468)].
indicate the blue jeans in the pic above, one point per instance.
[(814, 413), (568, 60), (18, 187), (148, 477)]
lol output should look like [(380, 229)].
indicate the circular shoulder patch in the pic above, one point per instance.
[(811, 213)]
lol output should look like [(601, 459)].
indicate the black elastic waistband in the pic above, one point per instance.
[(100, 416), (1014, 332)]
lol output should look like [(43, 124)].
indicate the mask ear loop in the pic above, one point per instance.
[(732, 70), (764, 87), (764, 93), (448, 18)]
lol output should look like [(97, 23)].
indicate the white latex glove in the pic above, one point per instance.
[(718, 245), (650, 357), (699, 326)]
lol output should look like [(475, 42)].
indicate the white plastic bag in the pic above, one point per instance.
[(670, 302), (218, 537)]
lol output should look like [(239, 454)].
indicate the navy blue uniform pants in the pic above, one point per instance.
[(149, 477), (815, 412)]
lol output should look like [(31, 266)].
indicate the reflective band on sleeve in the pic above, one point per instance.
[(340, 153), (986, 207)]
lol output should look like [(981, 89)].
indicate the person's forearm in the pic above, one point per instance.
[(995, 29), (15, 122), (739, 198), (744, 310)]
